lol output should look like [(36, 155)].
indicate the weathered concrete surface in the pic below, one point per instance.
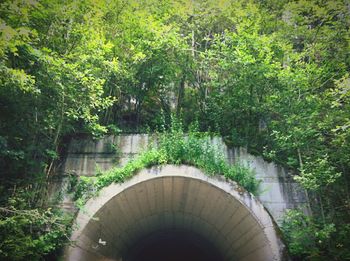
[(178, 198), (278, 192)]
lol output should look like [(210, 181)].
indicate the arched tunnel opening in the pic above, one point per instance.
[(175, 213)]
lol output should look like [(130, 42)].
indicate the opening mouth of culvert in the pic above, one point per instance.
[(174, 218)]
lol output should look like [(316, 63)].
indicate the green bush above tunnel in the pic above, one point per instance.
[(172, 147)]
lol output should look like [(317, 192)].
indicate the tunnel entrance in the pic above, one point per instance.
[(174, 245), (174, 213)]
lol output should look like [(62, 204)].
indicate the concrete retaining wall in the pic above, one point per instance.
[(278, 192)]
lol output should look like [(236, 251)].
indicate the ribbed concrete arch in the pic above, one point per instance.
[(174, 204)]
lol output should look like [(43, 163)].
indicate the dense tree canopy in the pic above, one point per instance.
[(269, 75)]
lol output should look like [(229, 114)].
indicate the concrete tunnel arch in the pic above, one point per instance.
[(175, 204)]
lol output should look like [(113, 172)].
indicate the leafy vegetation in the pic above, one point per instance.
[(31, 233), (269, 75), (173, 147), (312, 239)]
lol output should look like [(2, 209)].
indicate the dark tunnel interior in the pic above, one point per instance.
[(173, 245)]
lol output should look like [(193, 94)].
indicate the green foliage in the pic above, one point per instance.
[(196, 148), (268, 75), (174, 147), (31, 233), (317, 174), (311, 239), (54, 67), (113, 129)]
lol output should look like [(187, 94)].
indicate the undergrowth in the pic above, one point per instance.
[(31, 233), (173, 147)]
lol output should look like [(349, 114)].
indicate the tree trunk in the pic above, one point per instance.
[(180, 96)]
